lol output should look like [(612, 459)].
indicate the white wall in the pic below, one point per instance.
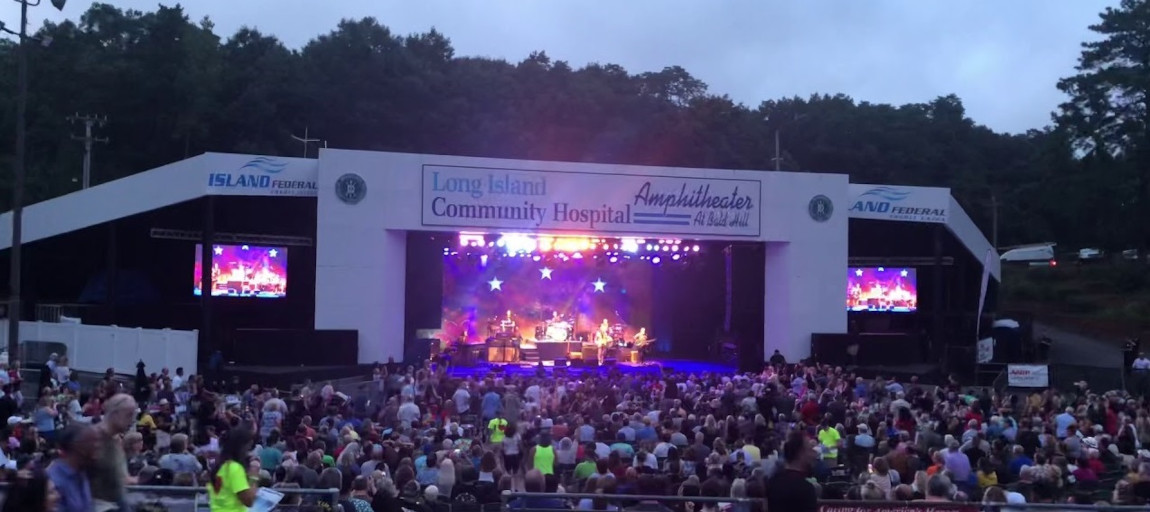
[(806, 277), (95, 348), (361, 248)]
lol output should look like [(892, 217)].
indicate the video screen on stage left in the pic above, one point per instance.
[(254, 271), (882, 289), (561, 289)]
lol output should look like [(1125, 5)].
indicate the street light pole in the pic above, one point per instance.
[(18, 172)]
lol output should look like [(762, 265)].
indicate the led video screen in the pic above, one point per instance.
[(882, 289), (245, 271), (546, 299)]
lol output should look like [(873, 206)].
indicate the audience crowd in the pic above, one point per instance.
[(421, 439)]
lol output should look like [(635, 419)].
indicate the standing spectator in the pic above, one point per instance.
[(789, 489), (229, 487), (78, 446), (110, 471)]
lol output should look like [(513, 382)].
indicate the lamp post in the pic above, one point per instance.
[(14, 306)]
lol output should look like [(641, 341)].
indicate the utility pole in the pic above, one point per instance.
[(778, 156), (88, 139), (18, 172), (305, 140), (994, 221)]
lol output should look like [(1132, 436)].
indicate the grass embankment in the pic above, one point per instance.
[(1105, 299)]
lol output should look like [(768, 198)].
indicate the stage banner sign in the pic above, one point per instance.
[(1027, 375), (527, 200), (909, 204)]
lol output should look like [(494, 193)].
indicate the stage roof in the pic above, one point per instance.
[(924, 205), (186, 180), (255, 175)]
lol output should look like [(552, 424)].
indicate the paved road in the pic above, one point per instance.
[(1076, 349)]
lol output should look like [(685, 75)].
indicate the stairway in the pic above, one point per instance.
[(529, 354)]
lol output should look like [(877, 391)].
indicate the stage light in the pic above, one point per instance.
[(666, 247), (695, 248), (648, 247), (656, 260), (614, 259), (675, 257), (536, 258), (880, 269), (606, 246), (675, 248), (501, 242), (577, 256), (483, 260)]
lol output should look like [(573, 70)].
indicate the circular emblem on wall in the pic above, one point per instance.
[(820, 208), (350, 188)]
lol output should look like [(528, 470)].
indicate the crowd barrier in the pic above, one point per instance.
[(514, 502), (156, 498)]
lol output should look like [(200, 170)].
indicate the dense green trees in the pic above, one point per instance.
[(172, 88)]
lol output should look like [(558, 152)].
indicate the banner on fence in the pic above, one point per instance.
[(1027, 375), (917, 506), (985, 350)]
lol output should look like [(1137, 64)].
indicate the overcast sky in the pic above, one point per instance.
[(1002, 57)]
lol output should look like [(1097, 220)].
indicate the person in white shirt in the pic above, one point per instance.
[(178, 379), (408, 413), (1141, 364), (462, 399)]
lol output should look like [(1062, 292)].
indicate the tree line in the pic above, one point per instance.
[(172, 88)]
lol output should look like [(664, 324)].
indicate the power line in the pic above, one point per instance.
[(89, 122)]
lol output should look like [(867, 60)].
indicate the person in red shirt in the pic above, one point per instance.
[(810, 411)]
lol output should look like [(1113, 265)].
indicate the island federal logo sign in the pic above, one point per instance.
[(265, 176), (914, 204), (516, 199)]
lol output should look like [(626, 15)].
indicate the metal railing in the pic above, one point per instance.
[(163, 498), (547, 502)]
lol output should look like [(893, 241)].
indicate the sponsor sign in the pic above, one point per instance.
[(1027, 375), (914, 204), (527, 200), (264, 176), (914, 506)]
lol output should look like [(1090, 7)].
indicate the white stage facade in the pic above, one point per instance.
[(367, 202)]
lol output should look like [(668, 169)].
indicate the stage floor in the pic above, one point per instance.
[(651, 367)]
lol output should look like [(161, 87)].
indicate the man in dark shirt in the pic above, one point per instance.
[(789, 489)]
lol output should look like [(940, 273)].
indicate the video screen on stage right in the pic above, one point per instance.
[(882, 289)]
